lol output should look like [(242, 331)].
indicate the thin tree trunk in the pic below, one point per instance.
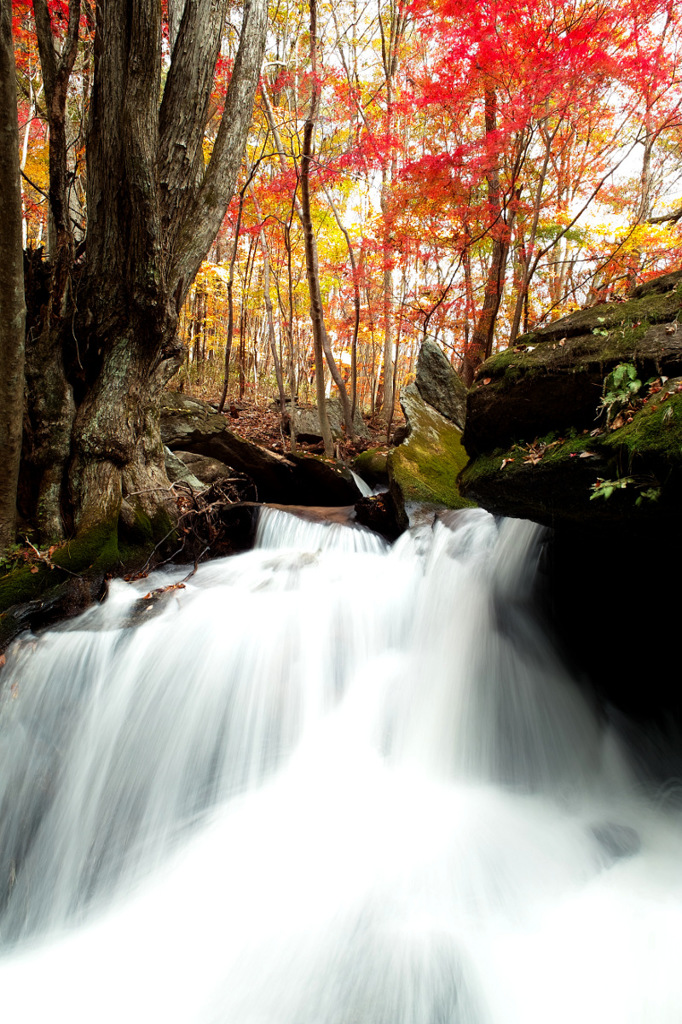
[(305, 217), (312, 268), (12, 308), (480, 346), (392, 33), (356, 303), (230, 305), (293, 376)]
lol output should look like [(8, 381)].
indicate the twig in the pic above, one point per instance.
[(48, 561)]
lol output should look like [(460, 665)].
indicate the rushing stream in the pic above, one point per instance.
[(326, 782)]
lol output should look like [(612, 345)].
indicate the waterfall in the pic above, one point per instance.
[(328, 781)]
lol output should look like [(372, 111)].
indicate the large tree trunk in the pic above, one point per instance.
[(153, 211), (118, 465), (12, 308)]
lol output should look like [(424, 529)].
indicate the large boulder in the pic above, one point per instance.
[(307, 422), (179, 472), (208, 471), (425, 467), (439, 385), (190, 425)]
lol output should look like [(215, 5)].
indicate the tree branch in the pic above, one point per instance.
[(203, 216)]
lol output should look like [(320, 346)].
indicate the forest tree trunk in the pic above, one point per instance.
[(153, 210), (12, 308)]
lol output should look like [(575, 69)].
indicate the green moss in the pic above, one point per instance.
[(484, 466), (425, 467), (655, 432), (588, 341), (372, 465), (101, 550)]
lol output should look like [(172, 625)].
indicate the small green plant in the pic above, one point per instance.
[(650, 494), (619, 389), (601, 331), (605, 488)]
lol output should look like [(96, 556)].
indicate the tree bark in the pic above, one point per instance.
[(392, 25), (303, 211), (12, 308), (312, 268), (480, 346), (50, 395), (153, 211)]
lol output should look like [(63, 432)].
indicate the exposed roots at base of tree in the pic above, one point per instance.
[(212, 523)]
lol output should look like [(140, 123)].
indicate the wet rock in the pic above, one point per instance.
[(616, 841), (380, 513)]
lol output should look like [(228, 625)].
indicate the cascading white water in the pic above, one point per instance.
[(327, 783)]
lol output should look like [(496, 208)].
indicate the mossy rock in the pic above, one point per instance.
[(425, 467), (552, 378), (372, 466), (552, 479), (64, 583)]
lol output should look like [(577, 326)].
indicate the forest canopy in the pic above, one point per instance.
[(192, 185)]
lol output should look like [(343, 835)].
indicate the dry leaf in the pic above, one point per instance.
[(505, 462), (163, 590), (586, 455)]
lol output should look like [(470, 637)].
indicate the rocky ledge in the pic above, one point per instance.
[(581, 421)]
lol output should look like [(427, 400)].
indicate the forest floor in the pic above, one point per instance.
[(258, 420)]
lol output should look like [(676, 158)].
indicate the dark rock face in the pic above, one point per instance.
[(539, 445), (614, 614), (380, 513), (439, 385), (193, 426)]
